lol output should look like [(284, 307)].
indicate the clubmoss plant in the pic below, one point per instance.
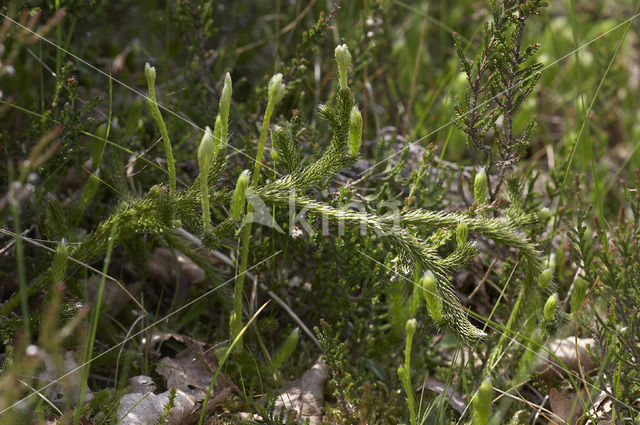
[(152, 105), (60, 260), (480, 186), (240, 196), (434, 302), (355, 132), (404, 371), (462, 234), (578, 295), (545, 279), (343, 58), (206, 152), (550, 305), (275, 93), (406, 233), (224, 107), (481, 403)]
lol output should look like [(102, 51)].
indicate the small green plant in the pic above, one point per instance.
[(550, 305), (342, 382), (434, 302), (481, 403), (286, 349), (275, 93), (152, 105), (404, 371), (366, 250), (206, 152), (166, 411), (500, 78)]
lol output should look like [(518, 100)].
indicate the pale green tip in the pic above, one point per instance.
[(580, 287), (60, 259), (150, 74), (462, 234), (240, 195), (206, 150), (481, 411), (544, 214), (480, 186), (434, 302), (276, 88), (402, 374), (343, 58), (225, 98), (355, 131), (545, 278), (550, 307), (411, 326)]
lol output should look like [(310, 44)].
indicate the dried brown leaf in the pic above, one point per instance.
[(567, 352), (305, 395), (167, 265), (455, 399)]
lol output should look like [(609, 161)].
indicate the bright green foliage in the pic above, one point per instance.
[(285, 152), (355, 132), (286, 349), (481, 403), (239, 196), (404, 372), (434, 302), (206, 152), (462, 234), (343, 58), (480, 186), (406, 240), (152, 105), (275, 92), (545, 279), (60, 259), (578, 295), (550, 308)]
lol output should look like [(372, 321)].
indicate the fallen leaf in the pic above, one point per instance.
[(147, 408), (118, 61), (51, 419), (455, 399), (66, 389), (565, 408), (141, 384), (565, 350), (157, 338), (188, 371), (113, 297), (165, 265), (600, 409), (305, 395)]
